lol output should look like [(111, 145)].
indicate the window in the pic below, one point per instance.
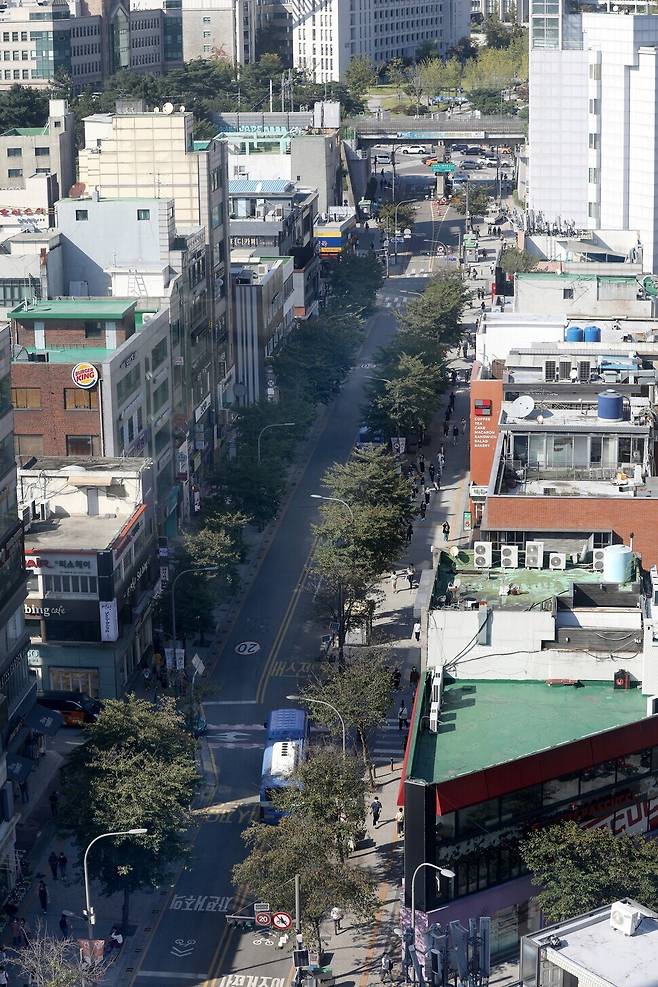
[(23, 398), (567, 293), (81, 215), (595, 72), (43, 171), (41, 152), (160, 395), (15, 172), (143, 214), (93, 330), (75, 680), (14, 152), (58, 585), (28, 445), (594, 142), (560, 789), (83, 445), (159, 353), (593, 176), (206, 34), (76, 399), (594, 106)]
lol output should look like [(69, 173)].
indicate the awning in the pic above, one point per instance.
[(46, 721), (18, 768)]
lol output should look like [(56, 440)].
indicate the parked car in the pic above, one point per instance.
[(469, 165), (77, 708), (460, 147), (383, 158), (413, 149), (474, 150)]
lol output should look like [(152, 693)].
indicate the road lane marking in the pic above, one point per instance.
[(163, 975), (231, 702)]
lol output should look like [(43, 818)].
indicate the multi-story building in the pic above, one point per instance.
[(93, 377), (538, 705), (327, 35), (593, 159), (223, 29), (263, 289), (30, 268), (47, 151), (90, 552), (141, 154)]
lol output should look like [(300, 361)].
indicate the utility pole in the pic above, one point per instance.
[(283, 92), (298, 906), (271, 95)]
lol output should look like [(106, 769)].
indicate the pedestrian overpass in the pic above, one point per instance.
[(496, 130)]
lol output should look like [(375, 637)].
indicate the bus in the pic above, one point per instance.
[(286, 741)]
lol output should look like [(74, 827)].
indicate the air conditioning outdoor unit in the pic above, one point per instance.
[(436, 687), (534, 555), (623, 918), (482, 554), (434, 717), (557, 560), (509, 556), (597, 559)]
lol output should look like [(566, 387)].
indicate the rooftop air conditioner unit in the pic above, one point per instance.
[(597, 559), (509, 556), (482, 554), (534, 555), (434, 717), (436, 687), (557, 560), (623, 918)]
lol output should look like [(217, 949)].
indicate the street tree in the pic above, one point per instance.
[(490, 102), (360, 75), (21, 106), (406, 215), (46, 961), (463, 50), (581, 869), (329, 788), (478, 201), (303, 845), (515, 261), (492, 69), (135, 770), (431, 324), (497, 34), (395, 72), (441, 77), (405, 403), (415, 84), (362, 691)]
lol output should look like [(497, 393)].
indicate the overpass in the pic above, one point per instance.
[(370, 130)]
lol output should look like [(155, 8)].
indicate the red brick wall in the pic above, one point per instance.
[(639, 516), (61, 334), (52, 421)]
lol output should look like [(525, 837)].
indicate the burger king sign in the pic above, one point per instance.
[(85, 375)]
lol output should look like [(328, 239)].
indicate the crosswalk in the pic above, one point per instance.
[(387, 742)]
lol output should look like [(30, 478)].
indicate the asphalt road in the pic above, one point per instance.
[(191, 943)]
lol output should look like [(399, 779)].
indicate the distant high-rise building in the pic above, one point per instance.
[(224, 29), (593, 161)]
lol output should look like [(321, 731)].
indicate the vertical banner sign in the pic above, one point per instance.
[(180, 659), (468, 521), (109, 620), (169, 657)]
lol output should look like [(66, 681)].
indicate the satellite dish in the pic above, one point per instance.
[(522, 407), (168, 108), (77, 190), (181, 109)]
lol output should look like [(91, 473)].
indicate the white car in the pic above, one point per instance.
[(413, 149)]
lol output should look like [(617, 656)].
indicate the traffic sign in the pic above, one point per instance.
[(282, 921), (198, 665), (263, 918), (262, 906)]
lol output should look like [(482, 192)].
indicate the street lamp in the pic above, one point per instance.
[(402, 202), (442, 871), (274, 425), (336, 500), (322, 702), (91, 918), (185, 572)]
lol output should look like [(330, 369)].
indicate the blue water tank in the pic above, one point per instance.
[(592, 334), (617, 564), (611, 406), (574, 334)]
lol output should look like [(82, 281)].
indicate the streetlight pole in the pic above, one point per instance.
[(341, 600), (336, 500), (274, 425), (91, 918), (402, 202), (321, 702), (185, 572)]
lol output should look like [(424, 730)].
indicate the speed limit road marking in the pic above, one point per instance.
[(247, 648)]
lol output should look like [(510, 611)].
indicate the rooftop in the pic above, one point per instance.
[(263, 186), (65, 354), (26, 132), (486, 723), (589, 943), (76, 467), (575, 414), (514, 589), (73, 308), (79, 531)]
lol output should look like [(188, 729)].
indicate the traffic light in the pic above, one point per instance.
[(244, 922), (300, 958)]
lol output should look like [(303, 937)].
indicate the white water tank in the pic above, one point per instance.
[(617, 564)]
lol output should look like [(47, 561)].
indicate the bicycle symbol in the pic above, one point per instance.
[(263, 942)]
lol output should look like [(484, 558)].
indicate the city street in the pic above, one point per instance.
[(271, 648)]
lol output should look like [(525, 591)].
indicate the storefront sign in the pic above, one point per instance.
[(478, 491), (254, 241), (69, 609), (74, 564), (203, 407), (467, 524), (84, 375), (130, 588), (109, 620), (34, 658)]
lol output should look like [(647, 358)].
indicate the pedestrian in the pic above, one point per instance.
[(464, 350), (483, 306), (116, 939), (445, 427), (410, 532), (53, 798), (421, 463), (442, 459), (432, 471), (403, 716), (147, 676), (395, 677), (414, 676), (3, 956), (437, 483), (445, 527), (16, 937), (63, 862), (64, 926), (386, 966), (25, 791), (337, 918), (405, 741), (414, 488), (455, 434), (3, 977), (448, 414), (463, 426), (43, 897), (394, 581), (426, 495), (376, 809), (53, 861), (399, 821), (410, 577), (417, 630), (423, 509), (23, 934)]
